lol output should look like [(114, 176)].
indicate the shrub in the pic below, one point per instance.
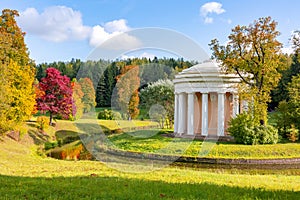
[(109, 115), (67, 153), (245, 131), (293, 133), (116, 115), (50, 145), (43, 122), (241, 128), (266, 134), (71, 153), (104, 114)]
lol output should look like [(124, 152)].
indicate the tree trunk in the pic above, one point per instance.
[(51, 117)]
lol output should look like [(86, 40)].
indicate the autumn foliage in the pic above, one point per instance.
[(128, 83), (89, 94), (253, 52), (57, 98), (17, 75), (78, 106)]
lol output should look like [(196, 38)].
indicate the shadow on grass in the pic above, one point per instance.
[(38, 138), (94, 187)]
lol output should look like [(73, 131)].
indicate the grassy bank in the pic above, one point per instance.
[(151, 141), (147, 141), (25, 175)]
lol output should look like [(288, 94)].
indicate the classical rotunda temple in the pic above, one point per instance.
[(206, 98)]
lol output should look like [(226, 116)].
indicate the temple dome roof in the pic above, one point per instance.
[(205, 67)]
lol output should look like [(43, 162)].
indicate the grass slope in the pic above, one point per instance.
[(24, 175), (147, 141)]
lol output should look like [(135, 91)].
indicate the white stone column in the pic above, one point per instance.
[(182, 113), (176, 114), (221, 117), (244, 106), (236, 106), (204, 114), (190, 114)]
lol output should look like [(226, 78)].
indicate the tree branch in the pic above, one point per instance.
[(247, 82)]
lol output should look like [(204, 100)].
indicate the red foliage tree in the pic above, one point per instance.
[(57, 97)]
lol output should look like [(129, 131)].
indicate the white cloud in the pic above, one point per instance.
[(121, 41), (114, 31), (125, 57), (208, 20), (99, 35), (143, 55), (147, 55), (61, 23), (116, 26), (57, 23), (211, 8)]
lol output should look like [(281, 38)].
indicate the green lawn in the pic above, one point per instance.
[(24, 175), (150, 141)]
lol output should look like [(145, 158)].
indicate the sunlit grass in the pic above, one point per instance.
[(187, 147), (25, 175)]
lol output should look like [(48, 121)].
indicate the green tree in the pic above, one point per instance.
[(280, 93), (288, 111), (158, 98), (294, 103), (254, 53)]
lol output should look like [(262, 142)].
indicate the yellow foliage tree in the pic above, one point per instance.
[(17, 96), (253, 52)]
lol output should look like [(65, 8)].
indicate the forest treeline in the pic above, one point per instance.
[(104, 73)]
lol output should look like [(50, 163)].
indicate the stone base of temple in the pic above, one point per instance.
[(226, 138)]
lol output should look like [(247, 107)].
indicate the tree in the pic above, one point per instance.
[(128, 83), (78, 106), (288, 111), (158, 97), (89, 96), (12, 40), (280, 93), (254, 53), (17, 75), (294, 103), (57, 98), (17, 95)]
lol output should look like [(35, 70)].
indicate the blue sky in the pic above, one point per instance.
[(61, 30)]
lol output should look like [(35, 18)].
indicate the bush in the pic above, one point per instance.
[(67, 153), (241, 128), (293, 133), (109, 115), (43, 122), (245, 131), (266, 134), (116, 115), (50, 145)]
